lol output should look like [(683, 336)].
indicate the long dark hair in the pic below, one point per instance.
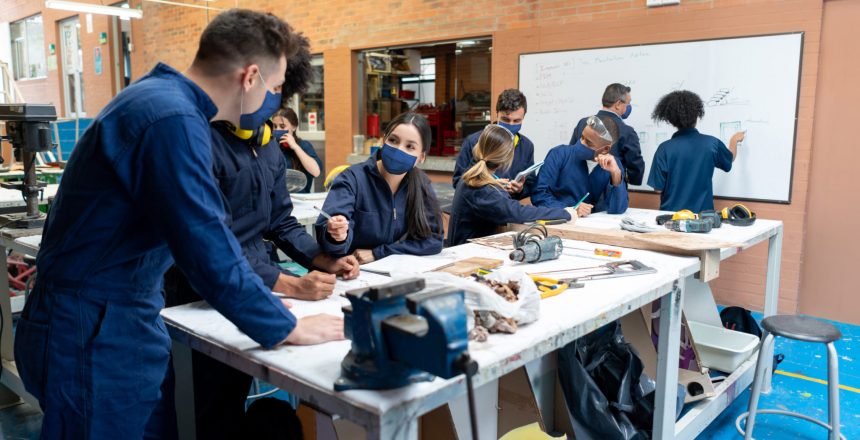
[(420, 197), (291, 116)]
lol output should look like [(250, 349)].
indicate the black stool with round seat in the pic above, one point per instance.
[(800, 328)]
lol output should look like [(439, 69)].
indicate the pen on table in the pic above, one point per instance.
[(581, 200), (324, 214)]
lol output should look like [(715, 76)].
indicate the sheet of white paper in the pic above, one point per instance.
[(408, 264), (314, 197), (33, 240), (331, 306), (365, 279)]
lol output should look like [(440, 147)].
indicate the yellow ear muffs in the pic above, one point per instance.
[(257, 137), (739, 215)]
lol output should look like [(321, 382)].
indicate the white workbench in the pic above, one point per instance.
[(309, 372), (702, 413), (303, 209), (12, 198)]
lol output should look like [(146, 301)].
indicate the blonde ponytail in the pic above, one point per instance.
[(494, 150)]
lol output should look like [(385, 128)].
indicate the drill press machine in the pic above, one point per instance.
[(28, 129)]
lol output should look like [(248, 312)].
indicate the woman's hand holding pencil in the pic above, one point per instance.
[(337, 227)]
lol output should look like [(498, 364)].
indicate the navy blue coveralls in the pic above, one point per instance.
[(377, 219), (293, 163), (137, 194), (524, 157), (627, 148), (258, 206), (683, 170), (564, 180), (477, 212)]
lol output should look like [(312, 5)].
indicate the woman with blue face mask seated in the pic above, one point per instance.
[(385, 205), (481, 203)]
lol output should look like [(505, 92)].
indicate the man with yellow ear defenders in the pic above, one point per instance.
[(250, 172), (259, 136)]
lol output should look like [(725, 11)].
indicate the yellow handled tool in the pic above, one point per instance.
[(548, 286)]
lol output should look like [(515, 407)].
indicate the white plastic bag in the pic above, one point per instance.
[(479, 296)]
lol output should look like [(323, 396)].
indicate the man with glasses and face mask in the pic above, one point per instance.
[(617, 105), (138, 194), (564, 178)]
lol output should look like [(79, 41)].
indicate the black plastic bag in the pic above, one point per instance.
[(605, 388), (741, 320)]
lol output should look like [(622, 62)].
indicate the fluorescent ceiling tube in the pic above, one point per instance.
[(187, 5), (93, 8)]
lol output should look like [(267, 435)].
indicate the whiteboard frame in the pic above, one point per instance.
[(796, 104)]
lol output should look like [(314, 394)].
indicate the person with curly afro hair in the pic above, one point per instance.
[(683, 167)]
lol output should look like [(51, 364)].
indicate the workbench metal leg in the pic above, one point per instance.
[(184, 390), (486, 409), (7, 397), (668, 348), (771, 297), (6, 306)]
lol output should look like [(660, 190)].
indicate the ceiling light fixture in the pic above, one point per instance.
[(90, 8)]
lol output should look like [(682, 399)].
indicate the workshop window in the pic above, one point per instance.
[(448, 82), (311, 104), (28, 48)]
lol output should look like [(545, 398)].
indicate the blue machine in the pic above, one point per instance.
[(401, 335)]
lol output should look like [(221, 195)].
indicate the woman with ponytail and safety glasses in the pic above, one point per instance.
[(481, 203), (385, 205)]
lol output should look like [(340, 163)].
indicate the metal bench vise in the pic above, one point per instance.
[(401, 334)]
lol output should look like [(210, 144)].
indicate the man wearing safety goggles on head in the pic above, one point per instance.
[(564, 179), (617, 105)]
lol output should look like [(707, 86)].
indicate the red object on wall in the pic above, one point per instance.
[(373, 125)]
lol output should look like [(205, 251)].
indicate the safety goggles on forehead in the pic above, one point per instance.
[(597, 125)]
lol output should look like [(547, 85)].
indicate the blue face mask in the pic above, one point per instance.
[(628, 111), (513, 128), (581, 152), (277, 134), (396, 161), (271, 103)]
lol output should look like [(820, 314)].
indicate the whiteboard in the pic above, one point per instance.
[(747, 83)]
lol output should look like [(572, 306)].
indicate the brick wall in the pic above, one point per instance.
[(98, 89), (338, 28)]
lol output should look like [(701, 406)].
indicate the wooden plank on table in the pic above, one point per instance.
[(667, 242), (670, 242), (468, 266)]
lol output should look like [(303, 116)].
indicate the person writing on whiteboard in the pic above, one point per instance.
[(511, 110), (683, 167), (564, 180), (617, 105)]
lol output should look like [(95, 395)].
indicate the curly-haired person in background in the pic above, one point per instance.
[(683, 167)]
